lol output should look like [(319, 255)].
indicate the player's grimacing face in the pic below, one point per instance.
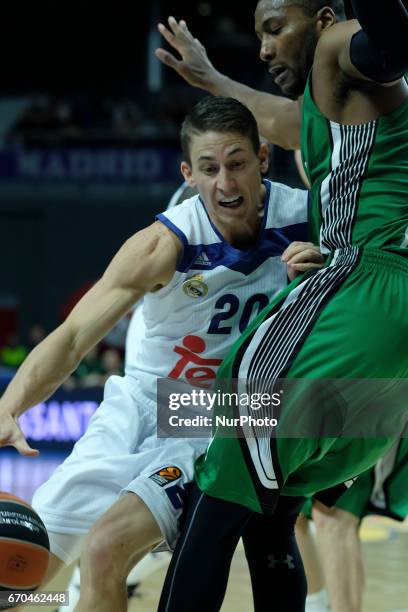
[(288, 41), (227, 173)]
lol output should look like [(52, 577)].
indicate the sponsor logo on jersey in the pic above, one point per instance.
[(205, 370), (202, 260), (195, 286), (166, 475)]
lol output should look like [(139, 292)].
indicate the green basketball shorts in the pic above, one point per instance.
[(335, 341)]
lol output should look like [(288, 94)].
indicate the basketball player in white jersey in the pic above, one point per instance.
[(205, 270), (154, 560)]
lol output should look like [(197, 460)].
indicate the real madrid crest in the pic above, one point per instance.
[(195, 286)]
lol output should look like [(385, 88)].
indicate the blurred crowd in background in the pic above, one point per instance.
[(84, 76), (87, 72), (46, 119), (104, 360)]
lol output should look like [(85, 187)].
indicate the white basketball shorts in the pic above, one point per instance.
[(119, 453)]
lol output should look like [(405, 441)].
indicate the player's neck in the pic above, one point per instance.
[(244, 233)]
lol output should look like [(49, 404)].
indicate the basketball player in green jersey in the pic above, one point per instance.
[(381, 490), (348, 321)]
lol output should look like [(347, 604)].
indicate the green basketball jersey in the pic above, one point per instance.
[(359, 179), (348, 320)]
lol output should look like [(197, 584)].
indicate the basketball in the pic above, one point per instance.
[(24, 545)]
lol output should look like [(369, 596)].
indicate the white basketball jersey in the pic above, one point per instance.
[(216, 291)]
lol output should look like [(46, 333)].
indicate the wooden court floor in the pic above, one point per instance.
[(387, 578), (385, 548)]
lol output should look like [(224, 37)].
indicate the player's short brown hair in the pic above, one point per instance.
[(218, 114)]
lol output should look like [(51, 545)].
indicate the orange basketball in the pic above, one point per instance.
[(24, 545)]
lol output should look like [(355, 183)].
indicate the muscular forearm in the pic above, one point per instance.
[(146, 262), (122, 285), (56, 357), (278, 118)]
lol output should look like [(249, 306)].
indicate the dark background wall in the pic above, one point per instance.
[(50, 248), (55, 238)]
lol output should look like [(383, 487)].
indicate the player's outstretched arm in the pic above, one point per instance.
[(146, 262), (278, 118)]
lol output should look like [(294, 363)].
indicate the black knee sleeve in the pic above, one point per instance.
[(276, 568)]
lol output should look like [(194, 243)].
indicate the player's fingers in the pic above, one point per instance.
[(168, 36), (26, 450), (19, 442), (304, 267), (179, 29), (296, 247), (294, 270), (167, 58), (308, 255), (184, 27)]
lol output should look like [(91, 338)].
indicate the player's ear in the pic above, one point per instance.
[(188, 174), (263, 155), (325, 19)]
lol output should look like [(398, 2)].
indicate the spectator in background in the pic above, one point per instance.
[(89, 373), (47, 119), (128, 121), (13, 353), (112, 364), (36, 334), (31, 119), (116, 338), (95, 368)]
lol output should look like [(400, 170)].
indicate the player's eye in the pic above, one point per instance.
[(273, 29), (209, 170), (236, 165)]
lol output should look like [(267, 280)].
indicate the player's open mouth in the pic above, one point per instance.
[(279, 74), (233, 202), (281, 78)]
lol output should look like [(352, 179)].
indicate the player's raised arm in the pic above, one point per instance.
[(278, 118), (374, 47), (146, 262)]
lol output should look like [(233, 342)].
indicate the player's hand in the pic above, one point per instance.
[(301, 257), (194, 66), (11, 435)]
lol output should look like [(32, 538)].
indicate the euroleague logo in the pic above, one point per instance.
[(195, 286), (167, 474), (171, 472)]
